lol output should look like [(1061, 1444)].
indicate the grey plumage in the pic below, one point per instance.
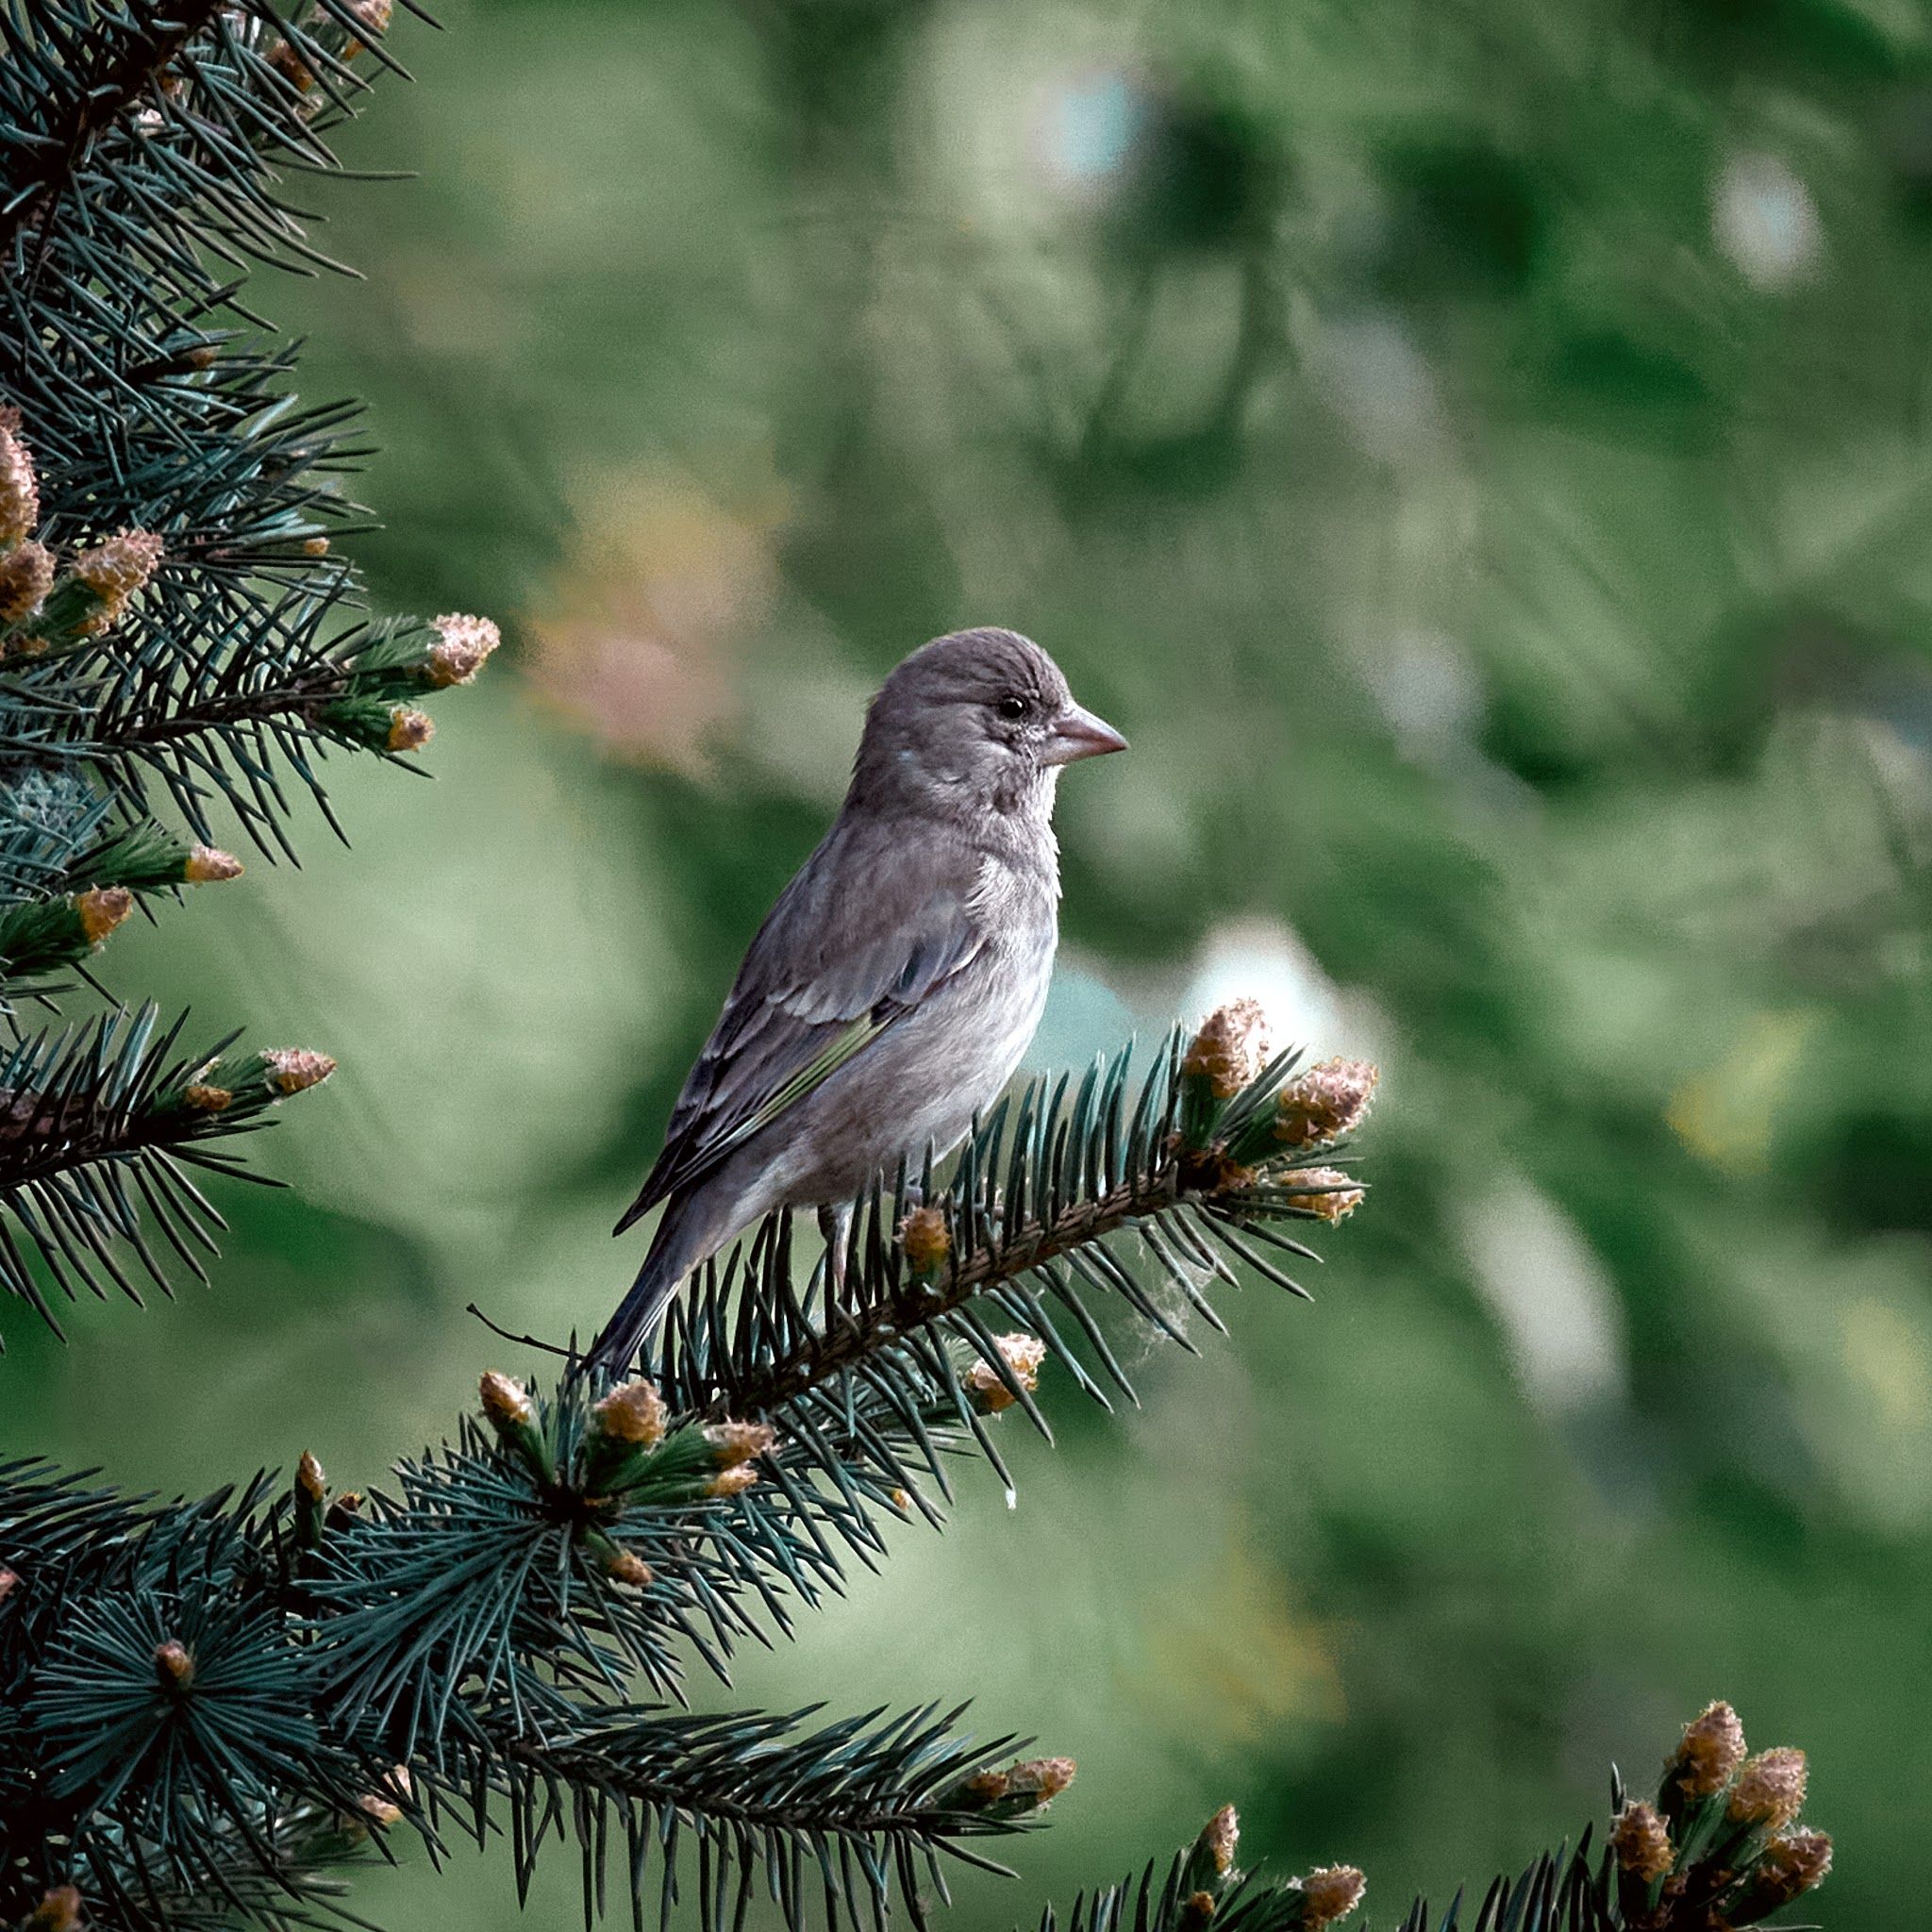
[(893, 987)]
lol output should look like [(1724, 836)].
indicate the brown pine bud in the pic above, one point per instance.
[(9, 1582), (1044, 1777), (115, 572), (628, 1568), (26, 575), (380, 1807), (1328, 1101), (315, 546), (208, 865), (1220, 1836), (410, 730), (375, 18), (1332, 1893), (204, 1098), (1641, 1843), (174, 1664), (308, 1476), (1197, 1910), (987, 1787), (20, 488), (736, 1443), (1325, 1190), (925, 1242), (294, 1068), (506, 1402), (1709, 1752), (1769, 1788), (1230, 1049), (462, 645), (732, 1482), (1791, 1865), (57, 1911), (102, 910), (1022, 1355), (632, 1413), (291, 66)]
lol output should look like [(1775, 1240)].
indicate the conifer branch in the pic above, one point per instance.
[(99, 1126), (1138, 1198), (171, 627), (110, 78)]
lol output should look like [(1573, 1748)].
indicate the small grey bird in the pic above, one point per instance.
[(891, 991)]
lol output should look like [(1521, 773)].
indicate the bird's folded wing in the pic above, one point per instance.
[(865, 932)]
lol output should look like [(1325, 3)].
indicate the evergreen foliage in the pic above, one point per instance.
[(177, 641), (207, 1705)]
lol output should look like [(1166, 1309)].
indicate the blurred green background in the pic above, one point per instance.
[(1478, 454)]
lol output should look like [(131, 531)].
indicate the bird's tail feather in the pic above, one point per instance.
[(677, 1247)]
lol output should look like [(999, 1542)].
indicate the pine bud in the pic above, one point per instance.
[(1642, 1842), (1197, 1911), (1043, 1778), (291, 66), (732, 1482), (294, 1068), (462, 645), (315, 546), (627, 1567), (1331, 1893), (57, 1911), (632, 1413), (1022, 1355), (1220, 1836), (1326, 1192), (1328, 1101), (925, 1242), (1709, 1752), (174, 1665), (114, 572), (101, 910), (204, 1098), (1769, 1788), (26, 575), (9, 1582), (374, 17), (20, 488), (410, 730), (507, 1403), (379, 1806), (1230, 1049), (734, 1442), (208, 865), (309, 1478), (1791, 1866)]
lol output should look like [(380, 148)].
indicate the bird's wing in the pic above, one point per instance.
[(865, 931)]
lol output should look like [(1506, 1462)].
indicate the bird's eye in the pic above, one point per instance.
[(1012, 707)]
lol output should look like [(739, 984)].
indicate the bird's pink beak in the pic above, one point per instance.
[(1079, 734)]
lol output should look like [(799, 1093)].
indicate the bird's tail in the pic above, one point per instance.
[(681, 1243)]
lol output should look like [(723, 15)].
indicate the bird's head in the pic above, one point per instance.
[(976, 718)]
